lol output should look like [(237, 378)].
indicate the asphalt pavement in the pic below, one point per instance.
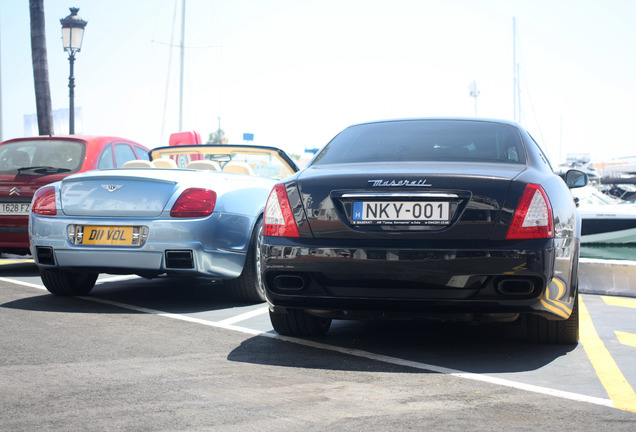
[(160, 355), (98, 364)]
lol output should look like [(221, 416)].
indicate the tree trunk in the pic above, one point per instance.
[(40, 68)]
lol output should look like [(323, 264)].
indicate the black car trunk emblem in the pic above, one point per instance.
[(385, 183)]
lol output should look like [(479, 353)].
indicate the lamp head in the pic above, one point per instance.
[(73, 31)]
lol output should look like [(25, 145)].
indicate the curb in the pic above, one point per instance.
[(607, 277)]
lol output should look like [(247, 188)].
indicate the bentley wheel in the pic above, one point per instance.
[(65, 283), (299, 323), (248, 287)]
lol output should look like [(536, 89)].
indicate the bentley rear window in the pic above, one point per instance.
[(41, 157), (425, 140)]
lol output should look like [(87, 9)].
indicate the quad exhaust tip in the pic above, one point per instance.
[(289, 282), (44, 255), (179, 259), (515, 287)]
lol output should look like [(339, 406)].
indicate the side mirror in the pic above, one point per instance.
[(575, 179)]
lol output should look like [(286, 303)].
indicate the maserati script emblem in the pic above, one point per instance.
[(385, 183), (14, 191), (112, 188)]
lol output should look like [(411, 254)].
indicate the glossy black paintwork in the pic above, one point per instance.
[(348, 270), (474, 212)]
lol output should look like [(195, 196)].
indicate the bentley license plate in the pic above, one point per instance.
[(401, 213), (107, 235), (15, 208)]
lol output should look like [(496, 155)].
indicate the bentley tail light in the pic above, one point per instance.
[(194, 203), (278, 220), (533, 217), (44, 202)]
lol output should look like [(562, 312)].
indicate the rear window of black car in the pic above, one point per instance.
[(425, 140)]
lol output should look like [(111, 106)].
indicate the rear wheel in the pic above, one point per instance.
[(65, 283), (541, 330), (248, 287), (299, 323)]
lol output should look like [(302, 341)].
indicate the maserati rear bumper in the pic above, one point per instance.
[(356, 281)]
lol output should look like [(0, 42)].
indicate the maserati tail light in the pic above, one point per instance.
[(44, 202), (278, 220), (194, 203), (533, 216)]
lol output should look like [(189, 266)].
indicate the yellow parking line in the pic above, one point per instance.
[(619, 301), (9, 261), (625, 338), (617, 387)]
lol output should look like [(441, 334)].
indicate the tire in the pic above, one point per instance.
[(565, 332), (65, 283), (248, 287), (298, 323)]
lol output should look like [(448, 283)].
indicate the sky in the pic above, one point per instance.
[(296, 72)]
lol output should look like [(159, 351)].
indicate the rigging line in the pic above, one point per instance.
[(154, 29), (182, 62), (534, 112), (523, 75)]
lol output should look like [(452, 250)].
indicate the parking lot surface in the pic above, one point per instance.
[(183, 356)]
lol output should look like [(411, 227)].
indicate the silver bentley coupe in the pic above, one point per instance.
[(152, 218)]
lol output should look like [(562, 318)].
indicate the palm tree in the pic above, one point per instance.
[(40, 68)]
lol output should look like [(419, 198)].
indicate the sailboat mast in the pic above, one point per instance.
[(514, 68), (516, 81), (182, 47)]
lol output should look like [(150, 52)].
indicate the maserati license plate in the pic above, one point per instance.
[(401, 213)]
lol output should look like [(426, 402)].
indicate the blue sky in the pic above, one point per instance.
[(294, 73)]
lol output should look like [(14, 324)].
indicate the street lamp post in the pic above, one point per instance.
[(72, 35)]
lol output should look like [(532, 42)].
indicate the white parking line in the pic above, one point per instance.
[(244, 316), (228, 325), (19, 282), (179, 317)]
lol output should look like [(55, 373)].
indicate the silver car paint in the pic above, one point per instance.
[(219, 242)]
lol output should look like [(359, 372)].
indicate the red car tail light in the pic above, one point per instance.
[(278, 220), (533, 217), (44, 202), (194, 203)]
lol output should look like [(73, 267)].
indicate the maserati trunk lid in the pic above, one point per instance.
[(429, 200)]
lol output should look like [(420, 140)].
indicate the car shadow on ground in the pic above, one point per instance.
[(468, 348), (489, 348), (174, 295), (52, 303), (19, 269)]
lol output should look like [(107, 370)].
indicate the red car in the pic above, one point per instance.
[(27, 164)]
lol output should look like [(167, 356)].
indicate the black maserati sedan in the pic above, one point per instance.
[(447, 219)]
